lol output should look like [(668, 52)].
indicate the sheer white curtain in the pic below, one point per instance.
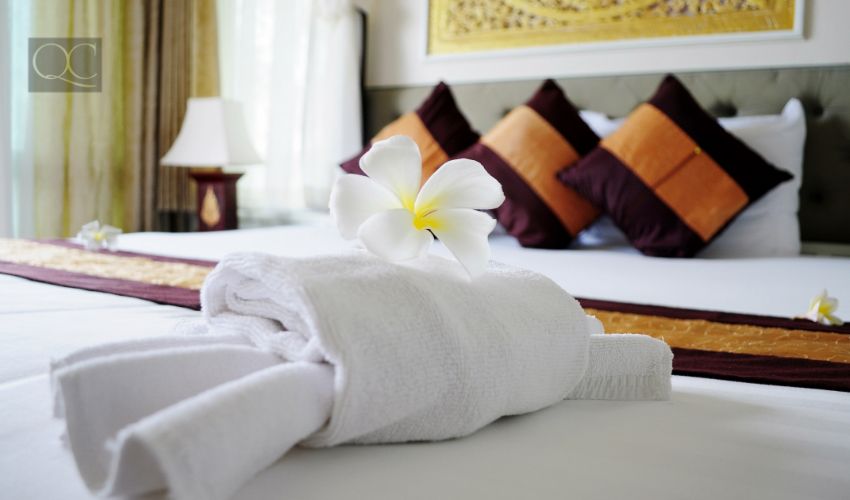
[(16, 139), (5, 122), (295, 65)]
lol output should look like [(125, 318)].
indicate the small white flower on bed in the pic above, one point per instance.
[(822, 309), (96, 237), (395, 220)]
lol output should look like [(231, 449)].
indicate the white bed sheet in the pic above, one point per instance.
[(772, 286), (714, 439)]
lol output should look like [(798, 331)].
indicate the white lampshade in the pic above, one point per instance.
[(213, 134)]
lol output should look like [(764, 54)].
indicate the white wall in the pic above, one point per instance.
[(397, 51)]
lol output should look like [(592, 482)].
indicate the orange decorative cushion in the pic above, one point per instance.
[(437, 126), (671, 177), (525, 151)]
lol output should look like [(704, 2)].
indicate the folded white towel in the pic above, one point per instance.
[(420, 351), (414, 352), (626, 367), (139, 421), (198, 420)]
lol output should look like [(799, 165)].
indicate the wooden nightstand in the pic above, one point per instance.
[(216, 200)]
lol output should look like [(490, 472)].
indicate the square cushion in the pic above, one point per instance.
[(524, 151), (437, 126), (768, 227), (671, 177)]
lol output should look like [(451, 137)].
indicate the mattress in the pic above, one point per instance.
[(713, 439)]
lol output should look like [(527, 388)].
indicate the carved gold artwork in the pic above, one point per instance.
[(457, 26)]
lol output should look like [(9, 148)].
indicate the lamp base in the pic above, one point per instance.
[(216, 200)]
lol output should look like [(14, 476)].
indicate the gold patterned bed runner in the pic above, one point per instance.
[(732, 338), (103, 264), (705, 343), (698, 334)]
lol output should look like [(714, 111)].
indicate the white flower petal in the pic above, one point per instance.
[(464, 232), (460, 183), (814, 304), (355, 198), (833, 320), (391, 235), (396, 164), (829, 304)]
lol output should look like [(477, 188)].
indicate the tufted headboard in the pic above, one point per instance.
[(825, 93)]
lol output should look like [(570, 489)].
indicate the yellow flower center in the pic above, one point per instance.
[(825, 307), (423, 217), (426, 220)]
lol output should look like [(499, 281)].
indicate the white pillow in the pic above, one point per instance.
[(600, 123), (768, 227)]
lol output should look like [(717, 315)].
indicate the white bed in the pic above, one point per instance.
[(714, 439)]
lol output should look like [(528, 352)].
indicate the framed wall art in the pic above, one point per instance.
[(475, 26)]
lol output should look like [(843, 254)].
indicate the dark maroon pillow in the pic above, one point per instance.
[(437, 126), (671, 177), (524, 152)]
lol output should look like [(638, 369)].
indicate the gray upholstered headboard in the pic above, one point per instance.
[(825, 93)]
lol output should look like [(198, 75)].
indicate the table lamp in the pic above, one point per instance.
[(213, 135)]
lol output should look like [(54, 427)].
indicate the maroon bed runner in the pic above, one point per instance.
[(712, 344)]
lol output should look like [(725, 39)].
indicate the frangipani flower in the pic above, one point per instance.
[(95, 237), (822, 309), (395, 220)]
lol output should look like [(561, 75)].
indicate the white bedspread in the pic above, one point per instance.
[(714, 439)]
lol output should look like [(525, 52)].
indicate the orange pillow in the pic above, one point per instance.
[(671, 177), (437, 126), (524, 152)]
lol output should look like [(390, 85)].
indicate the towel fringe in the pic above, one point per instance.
[(652, 387)]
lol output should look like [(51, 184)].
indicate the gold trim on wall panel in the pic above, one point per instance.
[(457, 26)]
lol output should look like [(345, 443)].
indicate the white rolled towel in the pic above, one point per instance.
[(420, 351), (626, 367), (345, 349)]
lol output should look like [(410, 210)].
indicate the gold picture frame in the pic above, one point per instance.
[(467, 26)]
